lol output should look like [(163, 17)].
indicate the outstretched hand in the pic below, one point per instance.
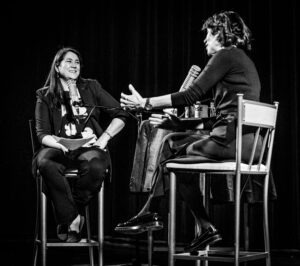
[(133, 101), (166, 121)]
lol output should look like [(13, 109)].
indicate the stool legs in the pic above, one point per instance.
[(150, 247), (205, 188), (266, 221), (36, 238), (89, 236), (172, 220), (101, 225), (219, 255), (43, 228), (237, 219)]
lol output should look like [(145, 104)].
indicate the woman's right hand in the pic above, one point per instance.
[(133, 101), (52, 141), (63, 148)]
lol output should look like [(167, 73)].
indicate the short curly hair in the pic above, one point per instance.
[(231, 28)]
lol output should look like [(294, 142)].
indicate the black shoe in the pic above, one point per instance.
[(208, 237), (65, 234), (73, 237), (140, 224), (62, 231)]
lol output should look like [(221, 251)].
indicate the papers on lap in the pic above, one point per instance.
[(72, 144)]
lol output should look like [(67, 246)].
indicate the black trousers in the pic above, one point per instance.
[(68, 201)]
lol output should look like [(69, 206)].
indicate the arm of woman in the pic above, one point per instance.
[(51, 142), (43, 123), (113, 129), (135, 100), (213, 72)]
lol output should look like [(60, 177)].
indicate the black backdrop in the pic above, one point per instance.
[(152, 45)]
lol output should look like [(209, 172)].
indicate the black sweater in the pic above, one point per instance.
[(229, 71)]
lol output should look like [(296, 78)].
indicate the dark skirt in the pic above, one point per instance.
[(154, 146)]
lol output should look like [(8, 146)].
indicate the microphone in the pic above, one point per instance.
[(75, 99), (193, 73)]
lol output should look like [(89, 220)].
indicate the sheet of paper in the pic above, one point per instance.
[(72, 144)]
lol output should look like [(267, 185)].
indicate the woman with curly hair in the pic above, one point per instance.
[(229, 71)]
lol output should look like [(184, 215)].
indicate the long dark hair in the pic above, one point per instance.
[(53, 81), (231, 28)]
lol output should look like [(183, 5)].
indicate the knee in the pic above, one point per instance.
[(45, 164), (202, 147), (49, 168), (190, 149), (96, 167)]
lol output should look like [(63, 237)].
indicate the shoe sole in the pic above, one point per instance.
[(61, 236), (138, 229), (210, 241), (65, 237)]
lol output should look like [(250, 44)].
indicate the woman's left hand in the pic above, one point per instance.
[(88, 133), (102, 141), (165, 121)]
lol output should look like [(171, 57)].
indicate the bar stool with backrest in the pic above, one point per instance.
[(262, 116), (41, 241)]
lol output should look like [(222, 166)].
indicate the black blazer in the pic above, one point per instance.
[(48, 117)]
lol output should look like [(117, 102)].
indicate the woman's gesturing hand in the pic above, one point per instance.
[(133, 101)]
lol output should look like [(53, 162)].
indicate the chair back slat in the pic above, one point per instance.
[(259, 114), (262, 116), (35, 145), (265, 145), (257, 133)]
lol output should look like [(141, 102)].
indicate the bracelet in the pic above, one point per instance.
[(107, 134), (148, 106)]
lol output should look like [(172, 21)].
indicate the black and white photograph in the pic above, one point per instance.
[(150, 133)]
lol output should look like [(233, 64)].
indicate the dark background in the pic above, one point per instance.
[(151, 44)]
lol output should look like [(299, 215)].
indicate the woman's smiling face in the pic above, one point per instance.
[(69, 67)]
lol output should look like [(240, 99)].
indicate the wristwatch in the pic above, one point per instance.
[(148, 106)]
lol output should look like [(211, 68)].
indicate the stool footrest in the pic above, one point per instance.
[(221, 255), (84, 242)]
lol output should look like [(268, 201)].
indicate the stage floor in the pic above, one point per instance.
[(119, 252)]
